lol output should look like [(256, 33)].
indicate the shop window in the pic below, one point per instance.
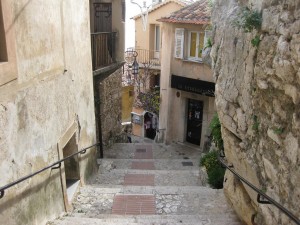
[(3, 48)]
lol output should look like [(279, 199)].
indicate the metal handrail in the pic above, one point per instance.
[(52, 166), (261, 193), (95, 33)]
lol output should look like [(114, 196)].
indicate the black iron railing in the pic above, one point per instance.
[(260, 194), (55, 165), (103, 49), (148, 57)]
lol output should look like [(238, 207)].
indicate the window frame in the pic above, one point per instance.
[(196, 57), (182, 43), (157, 38)]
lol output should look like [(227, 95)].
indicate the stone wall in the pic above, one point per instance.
[(111, 107), (257, 98)]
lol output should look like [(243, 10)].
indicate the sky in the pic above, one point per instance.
[(131, 11)]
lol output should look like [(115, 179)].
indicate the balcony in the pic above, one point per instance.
[(147, 58), (103, 49)]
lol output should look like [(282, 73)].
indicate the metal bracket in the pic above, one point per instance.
[(259, 200), (56, 167), (1, 193), (83, 152)]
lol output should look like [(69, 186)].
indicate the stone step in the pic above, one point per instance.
[(93, 201), (161, 177), (159, 151), (148, 220), (159, 164)]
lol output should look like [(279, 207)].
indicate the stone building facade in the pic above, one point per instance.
[(46, 105), (257, 98)]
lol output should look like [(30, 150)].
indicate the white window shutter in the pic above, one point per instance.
[(179, 41)]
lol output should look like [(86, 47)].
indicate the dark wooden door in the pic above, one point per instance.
[(194, 121), (103, 17)]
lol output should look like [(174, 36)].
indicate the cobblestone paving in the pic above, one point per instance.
[(179, 191)]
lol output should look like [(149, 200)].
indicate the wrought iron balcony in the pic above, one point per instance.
[(148, 57), (103, 49)]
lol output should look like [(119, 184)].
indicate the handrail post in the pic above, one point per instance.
[(261, 201), (56, 167)]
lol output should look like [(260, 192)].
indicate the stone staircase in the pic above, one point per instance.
[(149, 184)]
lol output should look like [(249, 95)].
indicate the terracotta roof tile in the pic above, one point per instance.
[(196, 13)]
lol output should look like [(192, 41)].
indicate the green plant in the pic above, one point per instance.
[(208, 43), (248, 20), (210, 3), (214, 170), (255, 123), (215, 127), (209, 160), (255, 41), (264, 189), (278, 130), (150, 100), (216, 177)]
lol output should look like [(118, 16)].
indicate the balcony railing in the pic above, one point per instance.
[(148, 57), (103, 49)]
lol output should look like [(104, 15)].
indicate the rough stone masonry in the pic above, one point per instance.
[(257, 98)]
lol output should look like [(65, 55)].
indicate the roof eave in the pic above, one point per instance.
[(159, 6), (184, 22)]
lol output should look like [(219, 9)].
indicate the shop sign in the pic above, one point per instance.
[(192, 85), (136, 118)]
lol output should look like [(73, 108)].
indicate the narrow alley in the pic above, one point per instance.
[(147, 183)]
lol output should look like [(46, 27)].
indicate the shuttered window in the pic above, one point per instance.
[(196, 42), (179, 42)]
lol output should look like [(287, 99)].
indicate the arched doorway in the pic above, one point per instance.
[(150, 125)]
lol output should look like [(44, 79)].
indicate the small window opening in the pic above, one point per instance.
[(71, 167), (3, 49)]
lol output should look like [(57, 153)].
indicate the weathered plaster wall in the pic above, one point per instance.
[(257, 97), (52, 91), (145, 39)]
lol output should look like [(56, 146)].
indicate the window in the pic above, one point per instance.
[(3, 49), (191, 46), (8, 66), (196, 44), (157, 38), (123, 11)]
